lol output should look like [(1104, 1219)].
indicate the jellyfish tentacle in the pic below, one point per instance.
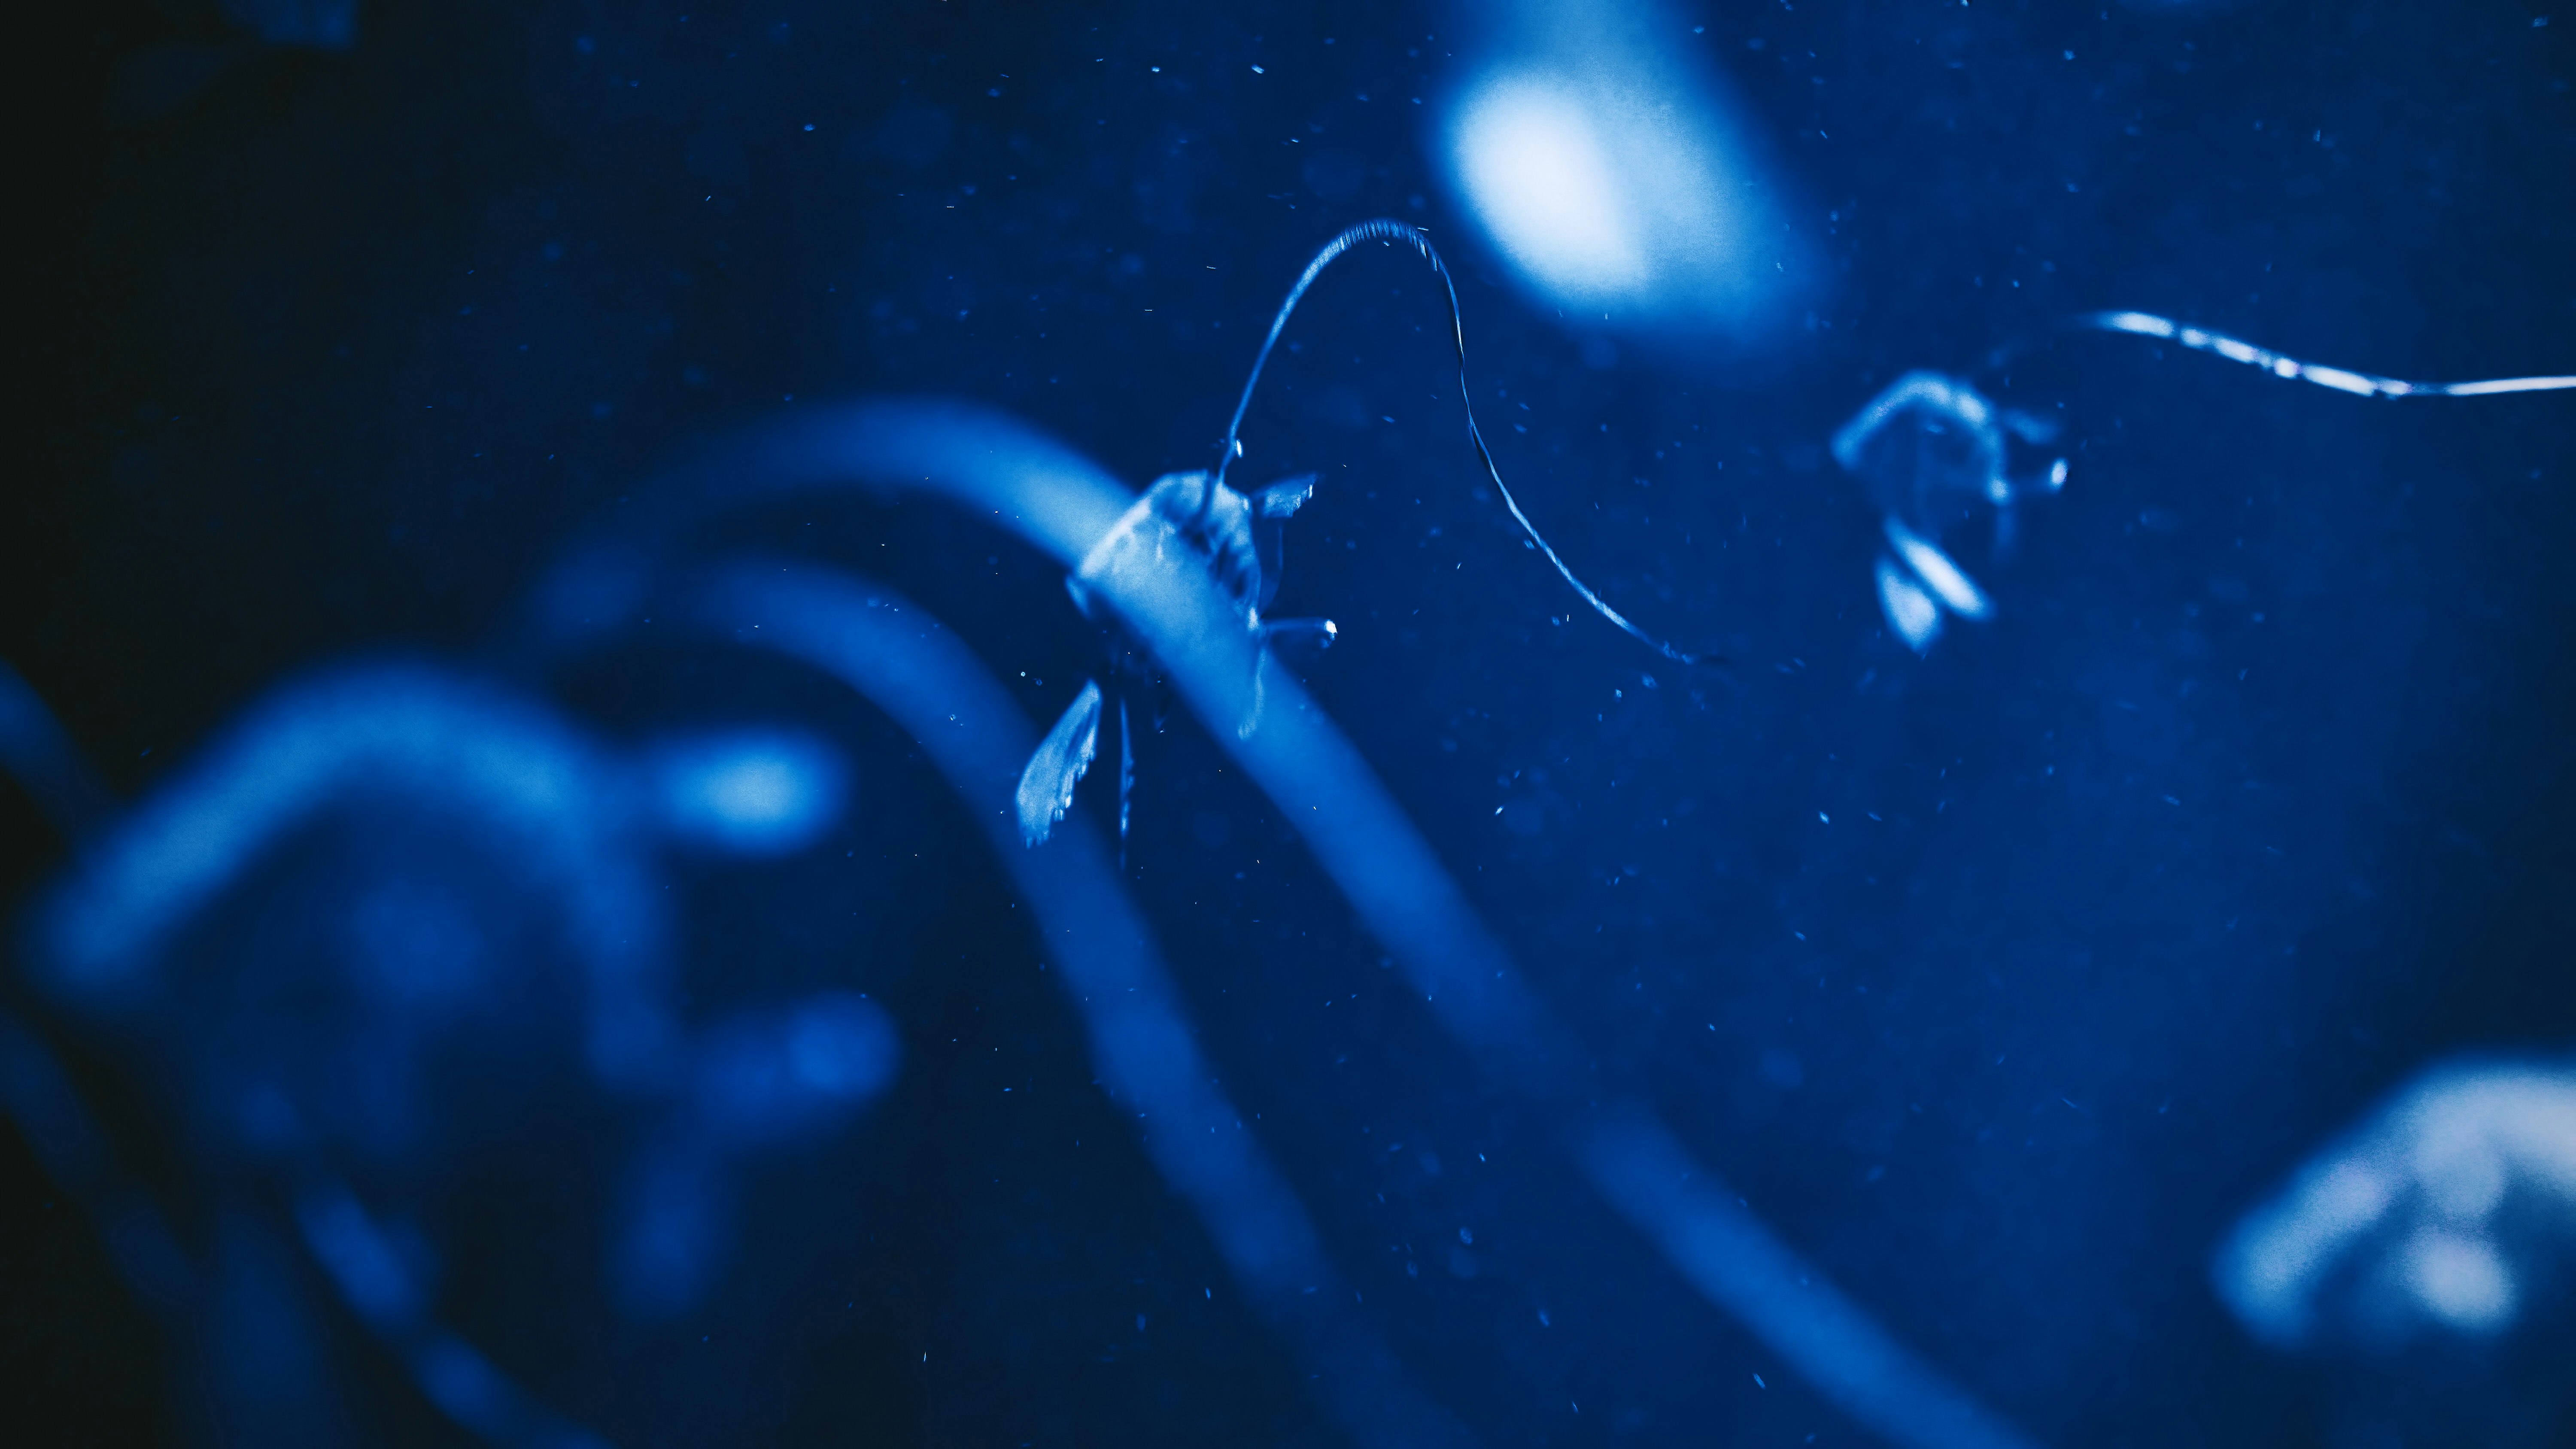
[(384, 1294), (397, 728), (1060, 502), (1393, 232), (36, 749), (80, 1159), (1409, 902), (103, 930), (902, 660), (2360, 384)]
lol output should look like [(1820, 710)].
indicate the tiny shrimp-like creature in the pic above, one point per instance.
[(1931, 449), (1196, 515), (1190, 515)]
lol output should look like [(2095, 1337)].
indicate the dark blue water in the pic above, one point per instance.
[(530, 972)]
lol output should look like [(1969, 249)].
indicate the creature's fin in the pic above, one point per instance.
[(1046, 785)]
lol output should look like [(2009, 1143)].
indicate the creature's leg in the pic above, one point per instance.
[(1126, 774)]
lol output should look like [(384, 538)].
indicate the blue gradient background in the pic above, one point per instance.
[(2249, 805)]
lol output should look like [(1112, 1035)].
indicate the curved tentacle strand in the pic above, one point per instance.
[(35, 748), (2360, 384), (1001, 468), (900, 658), (1385, 230)]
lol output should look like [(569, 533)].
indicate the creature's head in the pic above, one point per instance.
[(1177, 512)]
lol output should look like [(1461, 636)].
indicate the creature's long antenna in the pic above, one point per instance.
[(1386, 230), (2360, 384)]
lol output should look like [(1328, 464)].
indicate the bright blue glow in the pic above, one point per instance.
[(1533, 160), (763, 792), (1609, 176)]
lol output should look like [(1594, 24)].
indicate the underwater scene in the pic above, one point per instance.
[(1420, 723)]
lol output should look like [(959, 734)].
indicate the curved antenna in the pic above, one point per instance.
[(1387, 230), (2360, 384)]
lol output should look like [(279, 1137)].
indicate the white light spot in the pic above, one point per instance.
[(1939, 574), (1910, 611), (2460, 1280), (1536, 169), (751, 793)]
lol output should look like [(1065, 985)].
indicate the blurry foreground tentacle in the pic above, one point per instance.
[(134, 887), (1001, 469), (35, 749), (903, 661), (407, 730)]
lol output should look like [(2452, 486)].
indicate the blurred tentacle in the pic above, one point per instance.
[(1004, 470), (436, 740), (35, 748), (902, 660)]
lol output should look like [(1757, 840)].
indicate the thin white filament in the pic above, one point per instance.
[(1386, 230), (2360, 384)]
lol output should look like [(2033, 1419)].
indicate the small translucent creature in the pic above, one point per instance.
[(2452, 1208), (1200, 516), (1189, 515), (1931, 450)]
